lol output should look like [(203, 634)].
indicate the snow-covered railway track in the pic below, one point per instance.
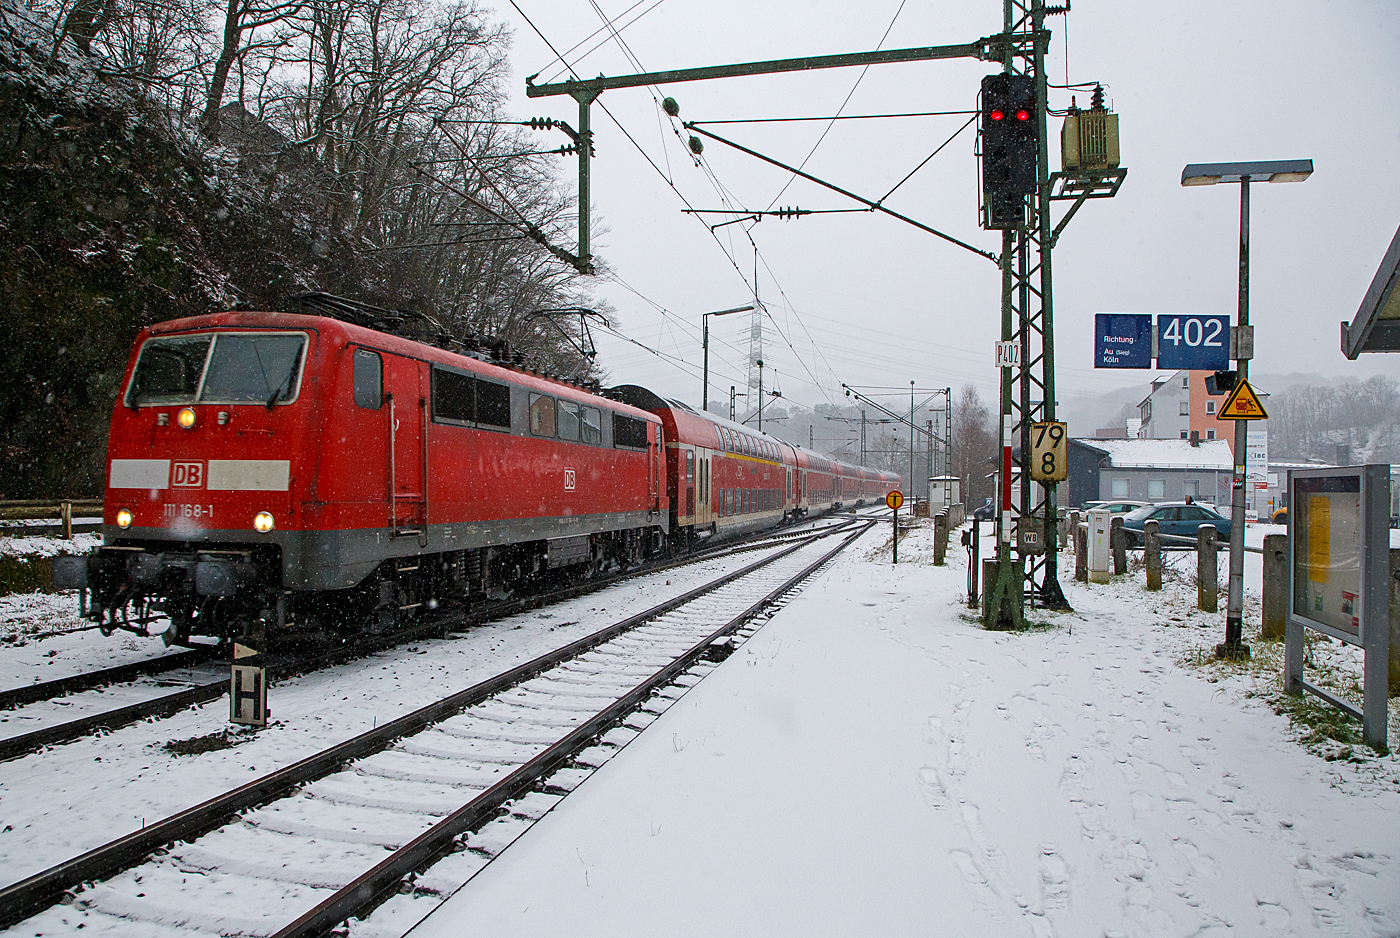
[(127, 698), (393, 800)]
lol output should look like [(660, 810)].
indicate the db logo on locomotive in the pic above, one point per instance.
[(187, 475)]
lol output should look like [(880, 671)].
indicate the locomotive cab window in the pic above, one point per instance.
[(218, 368), (541, 415), (369, 379), (629, 432), (567, 420)]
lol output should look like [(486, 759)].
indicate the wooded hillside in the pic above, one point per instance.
[(166, 159)]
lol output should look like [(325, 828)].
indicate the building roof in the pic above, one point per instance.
[(1165, 454)]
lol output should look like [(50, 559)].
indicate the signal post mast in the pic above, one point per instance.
[(1017, 189)]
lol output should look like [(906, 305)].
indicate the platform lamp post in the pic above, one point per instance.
[(705, 328), (1209, 174)]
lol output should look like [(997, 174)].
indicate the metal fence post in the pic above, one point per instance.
[(1118, 540), (1152, 554), (1207, 572)]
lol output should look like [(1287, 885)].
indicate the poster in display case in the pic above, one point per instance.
[(1338, 564)]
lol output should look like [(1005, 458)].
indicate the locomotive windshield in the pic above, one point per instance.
[(218, 368)]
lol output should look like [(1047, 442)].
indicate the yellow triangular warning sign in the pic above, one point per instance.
[(1242, 404)]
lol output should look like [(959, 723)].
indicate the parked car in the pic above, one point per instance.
[(1118, 507), (1175, 518), (987, 511)]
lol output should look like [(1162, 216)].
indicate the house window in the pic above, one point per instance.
[(1210, 407), (1185, 408), (1156, 488), (1185, 435), (1210, 434), (1191, 488), (1186, 381), (1120, 488)]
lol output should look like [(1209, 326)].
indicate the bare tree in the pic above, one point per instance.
[(974, 444)]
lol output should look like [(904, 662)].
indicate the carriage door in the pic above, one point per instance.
[(690, 484), (407, 400), (787, 489), (655, 448)]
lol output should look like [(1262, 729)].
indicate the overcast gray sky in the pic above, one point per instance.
[(866, 299)]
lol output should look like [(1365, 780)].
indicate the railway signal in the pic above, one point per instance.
[(1010, 148)]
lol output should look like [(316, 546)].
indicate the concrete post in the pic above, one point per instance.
[(1207, 572), (1062, 526), (1152, 554), (940, 538), (989, 578), (1118, 540), (1275, 612), (1073, 525), (1081, 551)]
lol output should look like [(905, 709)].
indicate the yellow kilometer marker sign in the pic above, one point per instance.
[(1242, 404)]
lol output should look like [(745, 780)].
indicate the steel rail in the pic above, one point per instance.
[(170, 704), (34, 893), (47, 690), (369, 889)]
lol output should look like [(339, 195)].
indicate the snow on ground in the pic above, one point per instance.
[(70, 798), (872, 762)]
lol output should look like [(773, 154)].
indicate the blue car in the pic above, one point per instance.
[(1180, 519)]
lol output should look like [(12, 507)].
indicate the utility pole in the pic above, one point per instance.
[(862, 436), (731, 402), (911, 435)]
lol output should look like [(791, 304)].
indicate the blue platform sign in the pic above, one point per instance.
[(1123, 340), (1195, 343)]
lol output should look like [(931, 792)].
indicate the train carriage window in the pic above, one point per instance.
[(690, 465), (369, 379), (257, 367), (591, 420), (568, 420), (454, 396), (629, 432), (169, 370), (492, 404), (541, 415)]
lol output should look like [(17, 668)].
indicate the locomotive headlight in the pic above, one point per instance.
[(185, 417), (262, 522), (123, 519)]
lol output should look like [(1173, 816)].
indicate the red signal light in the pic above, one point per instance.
[(997, 114), (1023, 115)]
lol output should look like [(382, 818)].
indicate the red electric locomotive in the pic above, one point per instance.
[(269, 470)]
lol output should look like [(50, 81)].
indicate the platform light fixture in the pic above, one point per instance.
[(705, 324), (1209, 174)]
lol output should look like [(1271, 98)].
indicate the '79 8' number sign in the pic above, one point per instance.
[(1049, 461)]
